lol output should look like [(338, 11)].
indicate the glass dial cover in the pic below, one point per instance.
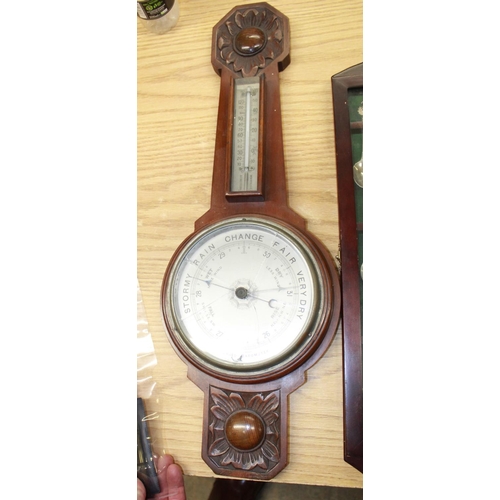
[(243, 295)]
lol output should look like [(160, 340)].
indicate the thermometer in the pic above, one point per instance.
[(245, 158)]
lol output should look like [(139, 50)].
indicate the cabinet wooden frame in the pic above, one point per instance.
[(343, 84)]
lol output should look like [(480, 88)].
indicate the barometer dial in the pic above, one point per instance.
[(244, 295)]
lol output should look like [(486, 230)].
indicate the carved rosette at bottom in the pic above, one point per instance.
[(244, 433)]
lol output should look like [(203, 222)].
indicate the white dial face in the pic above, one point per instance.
[(243, 295)]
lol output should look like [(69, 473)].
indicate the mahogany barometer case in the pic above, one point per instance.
[(251, 299)]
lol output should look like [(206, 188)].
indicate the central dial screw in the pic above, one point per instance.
[(241, 292)]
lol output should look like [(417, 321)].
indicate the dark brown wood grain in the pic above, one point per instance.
[(351, 308)]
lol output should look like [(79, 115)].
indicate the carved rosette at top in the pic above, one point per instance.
[(244, 430), (250, 38)]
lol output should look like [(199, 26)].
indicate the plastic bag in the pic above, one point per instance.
[(146, 361)]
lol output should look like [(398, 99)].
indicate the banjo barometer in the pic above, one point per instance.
[(251, 299)]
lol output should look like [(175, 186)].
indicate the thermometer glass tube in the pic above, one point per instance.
[(245, 144)]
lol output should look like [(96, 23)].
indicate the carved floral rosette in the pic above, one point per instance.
[(232, 416), (250, 38)]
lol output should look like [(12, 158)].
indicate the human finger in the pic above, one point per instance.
[(162, 464), (171, 479), (175, 480), (141, 490)]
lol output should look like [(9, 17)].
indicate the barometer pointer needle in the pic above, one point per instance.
[(210, 282)]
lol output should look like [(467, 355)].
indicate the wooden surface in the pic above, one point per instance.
[(178, 94)]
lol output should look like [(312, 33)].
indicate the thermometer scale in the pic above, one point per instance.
[(245, 154)]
